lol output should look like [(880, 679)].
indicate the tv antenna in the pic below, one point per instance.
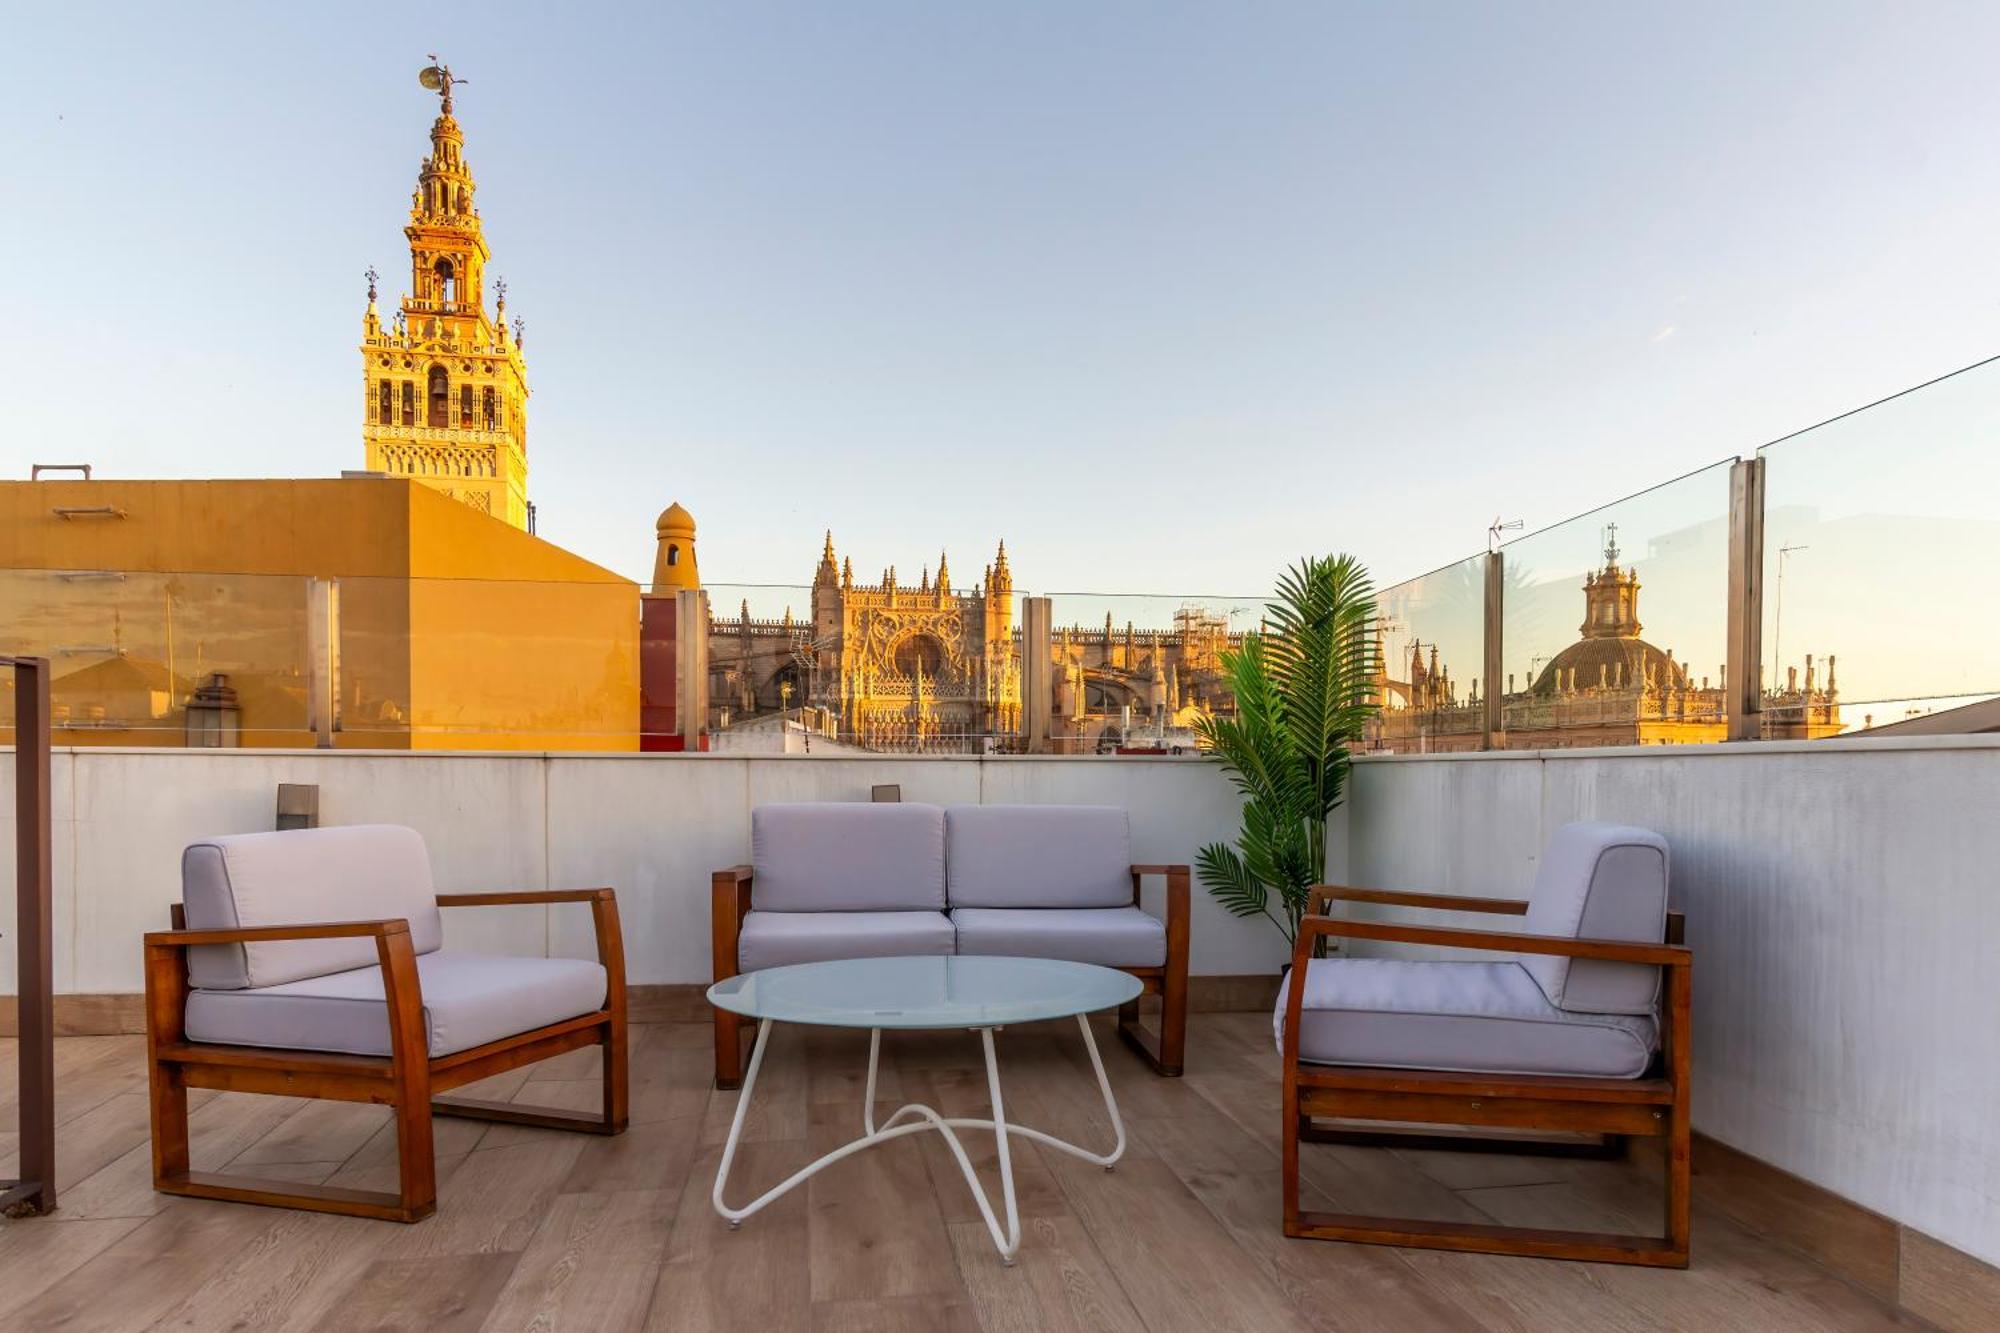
[(1495, 528)]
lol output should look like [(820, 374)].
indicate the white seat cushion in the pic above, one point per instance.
[(778, 939), (1599, 882), (1478, 1018), (1038, 856), (838, 856), (1107, 936), (358, 872), (469, 1000)]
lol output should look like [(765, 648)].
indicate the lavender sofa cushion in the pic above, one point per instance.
[(778, 939), (1039, 856), (361, 872), (847, 857), (1599, 882), (1481, 1018), (469, 999), (1107, 936)]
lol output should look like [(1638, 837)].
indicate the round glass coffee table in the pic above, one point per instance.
[(932, 993)]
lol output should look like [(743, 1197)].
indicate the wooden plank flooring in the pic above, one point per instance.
[(537, 1229)]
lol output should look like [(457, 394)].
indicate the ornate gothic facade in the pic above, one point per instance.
[(935, 667), (445, 389)]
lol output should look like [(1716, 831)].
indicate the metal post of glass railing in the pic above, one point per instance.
[(34, 974), (1743, 665), (1493, 718)]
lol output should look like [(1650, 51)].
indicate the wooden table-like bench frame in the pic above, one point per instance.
[(405, 1080), (1652, 1106), (1165, 1051)]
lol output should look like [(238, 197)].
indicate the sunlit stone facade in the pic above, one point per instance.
[(444, 386)]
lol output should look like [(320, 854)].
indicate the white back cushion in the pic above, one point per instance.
[(847, 857), (1038, 856), (362, 872), (1599, 882)]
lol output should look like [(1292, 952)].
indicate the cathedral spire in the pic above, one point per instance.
[(828, 572), (446, 388), (1611, 596), (944, 574)]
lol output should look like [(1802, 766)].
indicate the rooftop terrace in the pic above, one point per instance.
[(1839, 910), (539, 1229)]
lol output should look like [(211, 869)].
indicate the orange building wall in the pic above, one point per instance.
[(457, 631)]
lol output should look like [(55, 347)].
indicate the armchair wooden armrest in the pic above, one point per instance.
[(317, 930), (1177, 877), (728, 904), (1322, 894), (1504, 941), (1166, 1052), (511, 896), (603, 914)]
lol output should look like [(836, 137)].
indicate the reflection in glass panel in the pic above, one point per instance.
[(1880, 529), (1432, 632), (164, 659), (1614, 623), (477, 664)]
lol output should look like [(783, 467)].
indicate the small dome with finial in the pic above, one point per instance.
[(674, 563), (675, 519)]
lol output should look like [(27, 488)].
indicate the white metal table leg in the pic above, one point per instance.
[(734, 1217), (1010, 1244), (916, 1118)]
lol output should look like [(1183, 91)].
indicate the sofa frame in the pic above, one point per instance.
[(1652, 1106), (1165, 1051), (405, 1080)]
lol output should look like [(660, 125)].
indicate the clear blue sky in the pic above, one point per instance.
[(1164, 295)]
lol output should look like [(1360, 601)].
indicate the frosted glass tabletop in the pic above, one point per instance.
[(933, 992)]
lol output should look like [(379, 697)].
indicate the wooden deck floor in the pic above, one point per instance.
[(538, 1229)]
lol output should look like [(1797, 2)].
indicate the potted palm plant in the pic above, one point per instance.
[(1305, 687)]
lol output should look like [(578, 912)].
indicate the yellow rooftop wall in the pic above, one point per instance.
[(457, 631)]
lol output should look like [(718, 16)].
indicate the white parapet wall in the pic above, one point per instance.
[(651, 826), (1843, 905)]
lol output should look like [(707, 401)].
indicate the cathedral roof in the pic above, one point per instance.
[(1616, 661), (1610, 653)]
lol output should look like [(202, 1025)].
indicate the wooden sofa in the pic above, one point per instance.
[(841, 880)]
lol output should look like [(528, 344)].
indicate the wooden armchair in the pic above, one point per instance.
[(270, 1007), (1593, 1075)]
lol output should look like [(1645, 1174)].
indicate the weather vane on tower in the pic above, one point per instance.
[(438, 77)]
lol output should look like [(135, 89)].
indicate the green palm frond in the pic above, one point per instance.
[(1304, 692), (1229, 881)]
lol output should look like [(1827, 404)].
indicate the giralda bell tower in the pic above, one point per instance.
[(446, 385)]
